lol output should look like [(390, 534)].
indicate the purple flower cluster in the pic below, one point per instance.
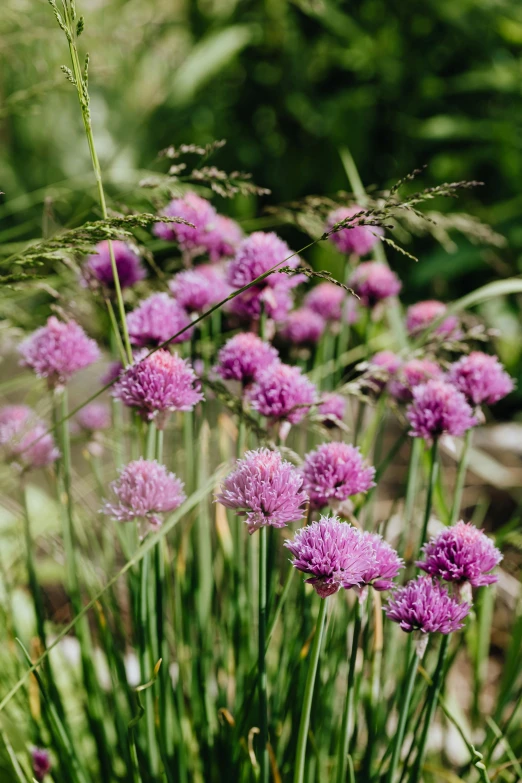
[(439, 407), (156, 320), (481, 378), (333, 553), (326, 299), (94, 417), (243, 357), (303, 327), (381, 368), (422, 314), (97, 269), (282, 392), (57, 351), (461, 553), (195, 290), (373, 282), (358, 240), (332, 407), (157, 384), (387, 564), (411, 374), (426, 606), (145, 490), (24, 439), (334, 472), (266, 489), (41, 763)]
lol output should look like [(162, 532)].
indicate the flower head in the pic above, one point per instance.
[(381, 368), (41, 763), (426, 606), (358, 240), (258, 253), (275, 302), (461, 553), (333, 553), (266, 489), (326, 299), (412, 374), (224, 239), (387, 564), (144, 490), (158, 384), (373, 282), (196, 210), (334, 472), (481, 378), (243, 357), (303, 327), (58, 350), (282, 392), (195, 290), (332, 407), (111, 374), (439, 407), (157, 319), (97, 270), (24, 439), (422, 314), (94, 417)]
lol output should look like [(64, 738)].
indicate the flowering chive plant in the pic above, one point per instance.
[(186, 646)]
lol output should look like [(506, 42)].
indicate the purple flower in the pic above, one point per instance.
[(24, 439), (266, 489), (333, 553), (158, 384), (224, 239), (381, 368), (156, 320), (439, 407), (112, 373), (58, 350), (412, 374), (373, 282), (282, 392), (195, 290), (326, 299), (41, 763), (358, 240), (195, 210), (276, 303), (424, 605), (94, 417), (387, 564), (422, 314), (145, 490), (461, 553), (334, 472), (332, 407), (303, 327), (243, 357), (97, 269), (481, 378)]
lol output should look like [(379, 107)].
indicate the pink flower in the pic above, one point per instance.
[(41, 763), (333, 553), (381, 368), (326, 299), (224, 239), (282, 392), (94, 417), (358, 240), (195, 290), (334, 472), (158, 384), (439, 407), (422, 314), (195, 210), (373, 282), (412, 374), (266, 489), (461, 553), (387, 564), (24, 439), (303, 327), (481, 378), (243, 357), (144, 490), (58, 350), (97, 269), (425, 606), (156, 320), (332, 407)]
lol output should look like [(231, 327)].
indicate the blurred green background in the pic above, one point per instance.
[(401, 84)]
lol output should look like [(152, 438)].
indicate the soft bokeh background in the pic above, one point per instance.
[(288, 84)]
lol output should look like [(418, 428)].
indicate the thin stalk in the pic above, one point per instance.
[(349, 704), (431, 701), (461, 477), (300, 758), (403, 716), (432, 480), (263, 700)]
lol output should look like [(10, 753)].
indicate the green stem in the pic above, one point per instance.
[(263, 700), (308, 694), (461, 477), (349, 704), (411, 490), (432, 480), (403, 716), (432, 700)]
